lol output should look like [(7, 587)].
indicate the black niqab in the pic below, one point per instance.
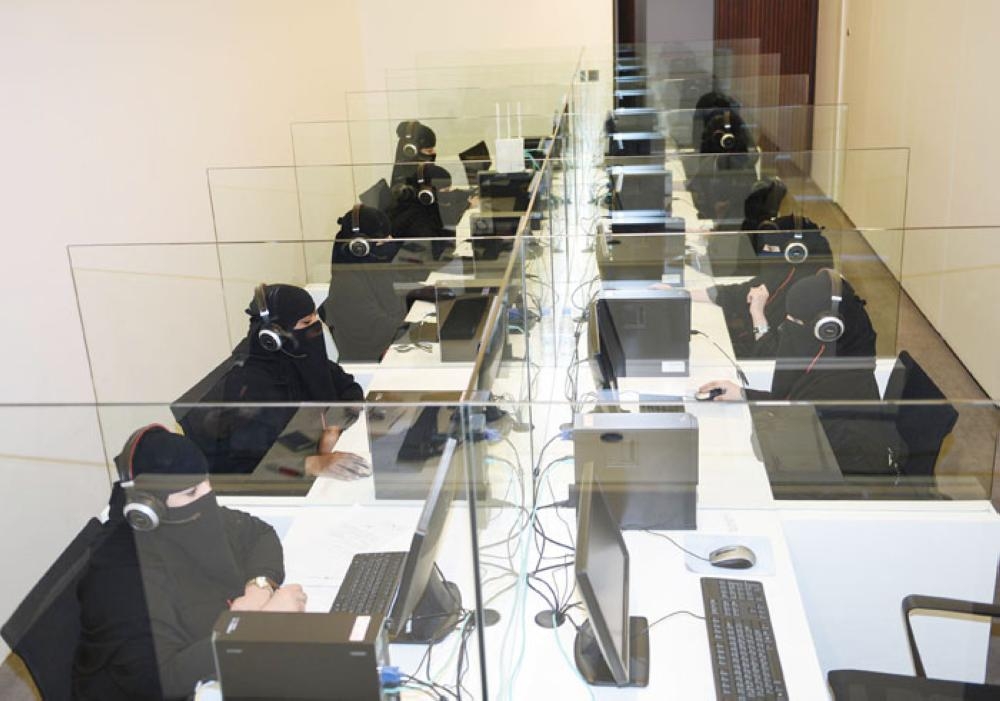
[(302, 362)]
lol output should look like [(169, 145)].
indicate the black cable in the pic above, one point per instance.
[(739, 371)]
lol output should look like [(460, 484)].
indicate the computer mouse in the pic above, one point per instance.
[(734, 557), (709, 395)]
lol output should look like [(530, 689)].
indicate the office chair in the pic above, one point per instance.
[(45, 629), (923, 427), (854, 685), (204, 425)]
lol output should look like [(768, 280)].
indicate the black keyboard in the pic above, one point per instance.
[(462, 320), (370, 584), (744, 655)]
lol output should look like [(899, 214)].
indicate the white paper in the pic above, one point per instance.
[(320, 544), (420, 311)]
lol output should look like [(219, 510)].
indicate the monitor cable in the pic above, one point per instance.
[(739, 371)]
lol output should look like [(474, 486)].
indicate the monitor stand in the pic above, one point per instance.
[(594, 669), (435, 615)]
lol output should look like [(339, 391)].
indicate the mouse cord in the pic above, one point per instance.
[(670, 615), (676, 544)]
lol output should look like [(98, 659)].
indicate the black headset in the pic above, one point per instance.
[(425, 191), (358, 246), (143, 511), (272, 337), (796, 251), (723, 134), (422, 193), (828, 326), (409, 144)]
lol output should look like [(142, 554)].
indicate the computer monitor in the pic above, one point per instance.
[(643, 119), (644, 188), (649, 145), (475, 159), (639, 97), (611, 648), (407, 431), (641, 249), (643, 332), (504, 192), (427, 606), (377, 196)]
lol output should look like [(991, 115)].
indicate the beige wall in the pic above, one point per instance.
[(916, 73), (111, 114)]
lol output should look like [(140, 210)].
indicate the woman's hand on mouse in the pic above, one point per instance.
[(731, 392)]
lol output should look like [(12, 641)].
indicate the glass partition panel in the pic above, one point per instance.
[(255, 204), (496, 530), (391, 307), (783, 128), (163, 551), (455, 102), (711, 191), (177, 292), (375, 141), (537, 552), (525, 72)]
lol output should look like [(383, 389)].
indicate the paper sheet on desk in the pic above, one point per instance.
[(420, 311), (434, 276), (321, 542)]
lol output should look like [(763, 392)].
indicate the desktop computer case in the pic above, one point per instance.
[(262, 655), (646, 464)]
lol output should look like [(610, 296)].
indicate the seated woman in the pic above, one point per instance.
[(365, 309), (283, 360), (826, 353), (425, 207), (417, 143), (794, 249), (155, 586)]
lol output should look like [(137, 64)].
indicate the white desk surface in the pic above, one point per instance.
[(320, 540)]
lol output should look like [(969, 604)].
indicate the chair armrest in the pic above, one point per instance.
[(937, 603)]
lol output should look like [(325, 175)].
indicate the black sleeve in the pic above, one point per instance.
[(255, 545), (347, 389), (767, 345), (181, 662), (247, 432), (731, 297)]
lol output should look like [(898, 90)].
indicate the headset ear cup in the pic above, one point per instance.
[(727, 141), (359, 247), (143, 512), (828, 329), (796, 252), (270, 340), (426, 196), (409, 149)]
